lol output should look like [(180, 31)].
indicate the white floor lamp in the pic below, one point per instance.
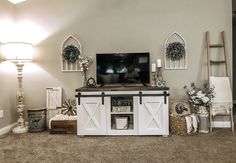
[(19, 53)]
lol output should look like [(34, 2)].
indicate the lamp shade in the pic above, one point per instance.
[(16, 1), (17, 51)]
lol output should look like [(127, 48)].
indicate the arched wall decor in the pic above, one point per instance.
[(68, 66), (176, 64)]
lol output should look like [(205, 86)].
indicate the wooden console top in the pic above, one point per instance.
[(121, 88)]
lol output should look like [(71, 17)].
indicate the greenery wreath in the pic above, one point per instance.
[(70, 53), (175, 51)]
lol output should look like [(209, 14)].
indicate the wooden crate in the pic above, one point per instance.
[(63, 127)]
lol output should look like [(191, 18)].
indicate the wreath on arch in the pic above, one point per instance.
[(71, 53), (175, 51)]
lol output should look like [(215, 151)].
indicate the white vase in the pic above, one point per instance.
[(202, 111), (85, 79), (203, 116)]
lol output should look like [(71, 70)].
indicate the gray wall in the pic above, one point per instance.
[(7, 76), (117, 26)]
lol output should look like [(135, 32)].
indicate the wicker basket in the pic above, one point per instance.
[(178, 125)]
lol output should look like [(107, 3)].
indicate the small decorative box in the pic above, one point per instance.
[(121, 123)]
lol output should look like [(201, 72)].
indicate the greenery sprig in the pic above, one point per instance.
[(71, 53), (175, 51)]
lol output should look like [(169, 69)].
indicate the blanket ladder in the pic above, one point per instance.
[(211, 62)]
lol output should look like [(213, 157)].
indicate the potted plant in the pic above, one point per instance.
[(201, 100)]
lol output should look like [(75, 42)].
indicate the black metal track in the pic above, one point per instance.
[(140, 94)]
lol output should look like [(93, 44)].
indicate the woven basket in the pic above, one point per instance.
[(178, 125)]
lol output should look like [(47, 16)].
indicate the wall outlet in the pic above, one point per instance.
[(1, 114)]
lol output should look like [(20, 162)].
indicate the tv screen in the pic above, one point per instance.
[(123, 68)]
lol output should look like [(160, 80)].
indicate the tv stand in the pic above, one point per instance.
[(123, 111)]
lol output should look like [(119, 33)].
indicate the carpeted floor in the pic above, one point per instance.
[(219, 146)]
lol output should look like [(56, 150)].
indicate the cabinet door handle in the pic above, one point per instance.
[(103, 95), (165, 94), (140, 97), (78, 97)]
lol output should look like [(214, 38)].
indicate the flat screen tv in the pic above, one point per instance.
[(123, 68)]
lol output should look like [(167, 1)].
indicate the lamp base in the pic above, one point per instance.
[(20, 130)]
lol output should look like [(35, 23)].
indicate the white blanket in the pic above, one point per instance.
[(192, 123), (222, 102), (221, 108)]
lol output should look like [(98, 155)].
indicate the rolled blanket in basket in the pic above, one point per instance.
[(194, 122), (191, 122)]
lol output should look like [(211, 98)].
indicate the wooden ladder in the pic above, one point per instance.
[(213, 62), (219, 62)]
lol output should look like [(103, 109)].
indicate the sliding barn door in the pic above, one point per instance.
[(153, 116), (91, 117)]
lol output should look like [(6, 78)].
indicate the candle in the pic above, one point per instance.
[(158, 62), (153, 67)]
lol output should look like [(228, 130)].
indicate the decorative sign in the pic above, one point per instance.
[(53, 97)]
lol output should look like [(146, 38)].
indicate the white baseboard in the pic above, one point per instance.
[(221, 124), (6, 129)]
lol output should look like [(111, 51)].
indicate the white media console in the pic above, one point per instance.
[(123, 111)]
